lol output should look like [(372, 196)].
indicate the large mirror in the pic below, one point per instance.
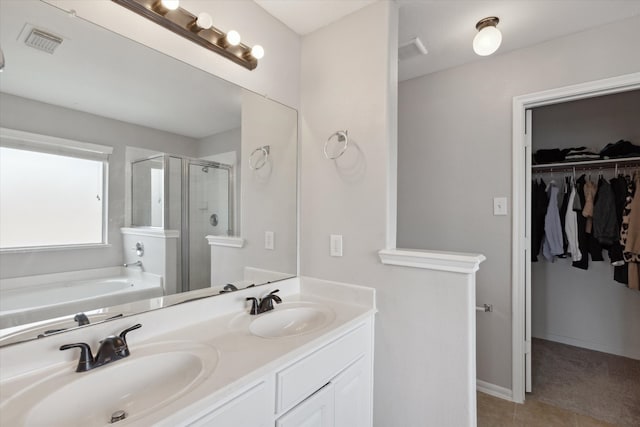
[(130, 180)]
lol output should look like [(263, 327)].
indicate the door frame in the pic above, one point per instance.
[(521, 263)]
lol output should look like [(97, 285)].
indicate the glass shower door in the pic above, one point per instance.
[(209, 213)]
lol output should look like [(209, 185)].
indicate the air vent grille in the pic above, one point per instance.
[(411, 49), (43, 41)]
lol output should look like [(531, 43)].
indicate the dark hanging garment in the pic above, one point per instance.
[(564, 205), (539, 203), (605, 223), (583, 240), (621, 269)]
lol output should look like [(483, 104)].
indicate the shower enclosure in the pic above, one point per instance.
[(193, 196)]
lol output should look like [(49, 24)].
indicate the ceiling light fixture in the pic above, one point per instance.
[(199, 29), (488, 39)]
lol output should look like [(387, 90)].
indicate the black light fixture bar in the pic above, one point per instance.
[(181, 22)]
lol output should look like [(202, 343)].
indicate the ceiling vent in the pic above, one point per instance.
[(42, 40), (411, 49)]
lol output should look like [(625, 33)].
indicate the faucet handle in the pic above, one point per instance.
[(254, 305), (86, 360), (123, 335)]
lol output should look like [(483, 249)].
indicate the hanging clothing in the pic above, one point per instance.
[(605, 222), (621, 269), (564, 207), (571, 229), (590, 189), (539, 204), (552, 244), (583, 242), (632, 237)]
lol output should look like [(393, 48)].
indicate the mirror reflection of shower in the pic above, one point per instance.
[(192, 196)]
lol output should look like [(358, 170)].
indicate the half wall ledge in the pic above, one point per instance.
[(456, 262)]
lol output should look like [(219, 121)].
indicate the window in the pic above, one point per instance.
[(52, 191)]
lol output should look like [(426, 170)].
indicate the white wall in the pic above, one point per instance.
[(268, 194), (277, 74), (36, 117), (424, 367), (455, 155)]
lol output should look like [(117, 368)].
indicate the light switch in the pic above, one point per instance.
[(500, 206), (336, 245), (269, 238)]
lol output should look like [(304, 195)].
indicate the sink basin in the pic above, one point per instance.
[(148, 379), (291, 321)]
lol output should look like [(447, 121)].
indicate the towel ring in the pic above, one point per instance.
[(342, 136), (258, 164)]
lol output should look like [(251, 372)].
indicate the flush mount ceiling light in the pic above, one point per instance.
[(199, 29), (488, 38)]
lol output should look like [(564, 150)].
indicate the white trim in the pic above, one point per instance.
[(151, 232), (28, 249), (494, 390), (519, 262), (228, 241), (47, 140), (432, 260)]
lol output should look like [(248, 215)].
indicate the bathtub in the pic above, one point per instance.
[(37, 298)]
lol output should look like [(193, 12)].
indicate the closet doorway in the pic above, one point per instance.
[(531, 309)]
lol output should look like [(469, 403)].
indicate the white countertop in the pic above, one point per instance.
[(218, 323)]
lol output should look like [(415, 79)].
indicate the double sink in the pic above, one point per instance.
[(153, 376)]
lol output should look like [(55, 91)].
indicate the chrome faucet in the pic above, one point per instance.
[(134, 264), (265, 304), (111, 348)]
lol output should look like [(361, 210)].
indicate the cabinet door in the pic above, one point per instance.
[(251, 409), (353, 395), (315, 411)]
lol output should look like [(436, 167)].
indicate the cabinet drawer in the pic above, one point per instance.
[(298, 381)]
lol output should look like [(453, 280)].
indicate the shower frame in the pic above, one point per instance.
[(185, 185)]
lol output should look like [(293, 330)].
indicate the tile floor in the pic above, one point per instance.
[(572, 387)]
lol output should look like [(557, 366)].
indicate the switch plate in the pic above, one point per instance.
[(500, 206), (336, 245), (269, 240)]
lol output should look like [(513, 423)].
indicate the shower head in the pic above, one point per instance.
[(205, 169)]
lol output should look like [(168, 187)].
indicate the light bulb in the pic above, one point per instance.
[(170, 4), (487, 41), (233, 38), (204, 20), (257, 51)]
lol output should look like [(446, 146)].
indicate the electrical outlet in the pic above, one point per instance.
[(269, 240), (336, 245)]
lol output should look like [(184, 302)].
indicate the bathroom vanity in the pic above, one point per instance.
[(209, 362)]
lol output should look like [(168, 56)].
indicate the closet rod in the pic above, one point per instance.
[(587, 165)]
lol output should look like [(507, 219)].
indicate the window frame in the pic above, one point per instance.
[(17, 139)]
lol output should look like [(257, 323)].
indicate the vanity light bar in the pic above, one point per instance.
[(181, 22)]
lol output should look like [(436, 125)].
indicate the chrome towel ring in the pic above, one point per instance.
[(257, 162), (342, 137)]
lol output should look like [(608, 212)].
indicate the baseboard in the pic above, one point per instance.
[(494, 390), (590, 345)]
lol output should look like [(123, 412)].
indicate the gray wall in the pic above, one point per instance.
[(36, 117), (454, 156), (591, 122), (423, 362)]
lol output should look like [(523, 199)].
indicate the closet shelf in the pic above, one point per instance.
[(587, 164)]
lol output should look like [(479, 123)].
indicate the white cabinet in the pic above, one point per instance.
[(352, 395), (252, 408), (333, 382), (316, 411), (330, 386)]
